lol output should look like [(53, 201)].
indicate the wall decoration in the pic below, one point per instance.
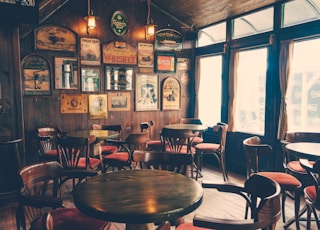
[(90, 79), (119, 101), (145, 55), (118, 78), (55, 38), (168, 40), (170, 94), (147, 92), (98, 106), (36, 72), (183, 64), (165, 63), (73, 103), (90, 51), (119, 53), (66, 73), (184, 78), (119, 23)]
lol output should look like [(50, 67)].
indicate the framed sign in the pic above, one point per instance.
[(66, 73), (171, 94), (98, 106), (165, 63), (168, 40), (90, 79), (118, 78), (73, 103), (147, 92), (119, 101), (119, 52), (145, 55), (36, 72), (119, 23), (55, 38), (90, 51)]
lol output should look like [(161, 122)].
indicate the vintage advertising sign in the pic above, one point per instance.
[(168, 40), (98, 106), (119, 23), (145, 55), (119, 53), (170, 94), (73, 103)]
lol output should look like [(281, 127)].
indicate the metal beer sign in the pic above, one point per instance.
[(119, 23)]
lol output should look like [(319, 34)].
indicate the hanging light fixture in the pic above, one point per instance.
[(91, 19), (149, 27)]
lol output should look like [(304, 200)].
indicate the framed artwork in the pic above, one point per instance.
[(145, 55), (165, 63), (118, 78), (90, 51), (146, 92), (55, 38), (98, 106), (66, 73), (171, 94), (168, 40), (90, 79), (36, 72), (119, 101), (73, 103)]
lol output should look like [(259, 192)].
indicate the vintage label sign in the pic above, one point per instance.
[(168, 40), (119, 23), (119, 53), (73, 103)]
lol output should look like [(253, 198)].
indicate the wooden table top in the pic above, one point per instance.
[(138, 196), (305, 149), (193, 127), (101, 134)]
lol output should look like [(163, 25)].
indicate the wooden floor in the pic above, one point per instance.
[(214, 204)]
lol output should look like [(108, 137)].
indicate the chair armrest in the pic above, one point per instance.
[(39, 202), (227, 187)]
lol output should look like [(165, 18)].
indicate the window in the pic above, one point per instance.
[(210, 89), (303, 92), (254, 23), (251, 91), (212, 34)]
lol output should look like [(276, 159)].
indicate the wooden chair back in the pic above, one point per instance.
[(263, 198), (253, 149), (175, 162), (178, 140), (40, 189), (137, 141), (47, 142)]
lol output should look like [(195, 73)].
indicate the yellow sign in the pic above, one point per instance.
[(73, 103)]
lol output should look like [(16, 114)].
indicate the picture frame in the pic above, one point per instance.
[(55, 38), (145, 55), (119, 101), (98, 106), (165, 62), (90, 51), (66, 73), (146, 92), (171, 94), (118, 78), (73, 103), (36, 72), (90, 79)]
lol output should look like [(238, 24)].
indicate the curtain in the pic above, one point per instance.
[(233, 67), (197, 84), (285, 60)]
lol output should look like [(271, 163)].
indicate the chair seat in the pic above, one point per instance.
[(189, 226), (197, 140), (119, 156), (51, 153), (295, 166), (311, 193), (207, 147), (285, 180), (107, 149), (93, 162), (70, 218)]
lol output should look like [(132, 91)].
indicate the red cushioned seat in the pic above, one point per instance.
[(93, 163), (107, 149), (296, 167), (120, 156), (189, 226)]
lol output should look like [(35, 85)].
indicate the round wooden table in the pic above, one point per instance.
[(100, 134), (307, 150), (193, 127), (138, 197)]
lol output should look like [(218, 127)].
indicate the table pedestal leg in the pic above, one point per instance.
[(149, 226)]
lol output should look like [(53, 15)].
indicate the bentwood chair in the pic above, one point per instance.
[(105, 148), (215, 147), (40, 193), (47, 143), (152, 144), (195, 121), (312, 192), (122, 158), (260, 193), (290, 186)]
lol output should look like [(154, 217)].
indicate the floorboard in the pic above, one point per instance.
[(214, 204)]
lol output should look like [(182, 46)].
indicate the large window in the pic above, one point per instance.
[(251, 91), (303, 92), (210, 89)]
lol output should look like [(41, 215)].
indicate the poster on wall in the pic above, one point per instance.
[(90, 51), (145, 55), (147, 92), (98, 106), (119, 52), (119, 101), (170, 94), (73, 103)]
